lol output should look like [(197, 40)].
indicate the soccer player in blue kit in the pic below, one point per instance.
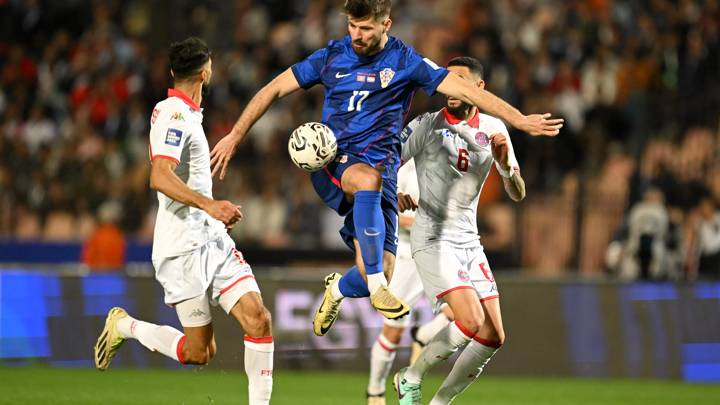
[(369, 79)]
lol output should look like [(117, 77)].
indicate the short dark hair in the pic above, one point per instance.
[(367, 8), (187, 57), (469, 62)]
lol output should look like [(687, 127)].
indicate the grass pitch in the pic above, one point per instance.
[(46, 385)]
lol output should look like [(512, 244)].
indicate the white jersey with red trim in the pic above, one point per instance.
[(176, 133), (453, 159)]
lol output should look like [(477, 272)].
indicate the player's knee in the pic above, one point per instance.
[(257, 321), (196, 356), (470, 325), (500, 338), (366, 179), (211, 350)]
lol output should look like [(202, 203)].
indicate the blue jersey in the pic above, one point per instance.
[(368, 98)]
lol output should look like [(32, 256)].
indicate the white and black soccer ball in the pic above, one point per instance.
[(312, 146)]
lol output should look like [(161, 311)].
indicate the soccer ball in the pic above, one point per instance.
[(312, 146)]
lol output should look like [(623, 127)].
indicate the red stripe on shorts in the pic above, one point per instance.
[(224, 290)]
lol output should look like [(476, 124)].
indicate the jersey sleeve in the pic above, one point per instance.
[(425, 73), (168, 135), (308, 72), (414, 136), (512, 160), (408, 183)]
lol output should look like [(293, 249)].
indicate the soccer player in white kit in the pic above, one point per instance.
[(454, 150), (193, 254), (407, 286)]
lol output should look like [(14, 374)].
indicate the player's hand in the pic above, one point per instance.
[(540, 124), (221, 155), (406, 202), (500, 149), (224, 211)]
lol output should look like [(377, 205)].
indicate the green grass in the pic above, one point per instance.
[(45, 385)]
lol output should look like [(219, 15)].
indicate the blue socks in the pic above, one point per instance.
[(369, 229), (353, 285)]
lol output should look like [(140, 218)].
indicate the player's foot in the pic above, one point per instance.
[(417, 345), (408, 394), (388, 304), (109, 340), (329, 309), (378, 399)]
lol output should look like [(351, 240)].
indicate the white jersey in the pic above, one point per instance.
[(453, 159), (407, 184), (176, 133)]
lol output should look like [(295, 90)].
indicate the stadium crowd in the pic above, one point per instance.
[(635, 169)]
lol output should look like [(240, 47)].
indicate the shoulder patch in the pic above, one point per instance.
[(155, 113), (173, 137)]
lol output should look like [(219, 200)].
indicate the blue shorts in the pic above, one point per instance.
[(327, 185)]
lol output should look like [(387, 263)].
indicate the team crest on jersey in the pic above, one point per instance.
[(463, 276), (173, 137), (482, 139), (386, 75), (177, 116)]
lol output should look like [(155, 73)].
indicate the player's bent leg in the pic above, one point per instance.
[(198, 344), (472, 361), (456, 335), (364, 184), (423, 334), (259, 347)]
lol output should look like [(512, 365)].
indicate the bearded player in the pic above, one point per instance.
[(369, 79), (454, 150)]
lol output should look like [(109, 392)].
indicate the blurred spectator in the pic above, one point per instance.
[(644, 254), (104, 250), (707, 239)]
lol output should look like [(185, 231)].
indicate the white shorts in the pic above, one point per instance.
[(406, 285), (444, 268), (217, 264)]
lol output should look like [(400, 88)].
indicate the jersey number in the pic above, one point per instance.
[(355, 101), (463, 162)]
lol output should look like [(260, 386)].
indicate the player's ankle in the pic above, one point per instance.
[(335, 290), (375, 281)]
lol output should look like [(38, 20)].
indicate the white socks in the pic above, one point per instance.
[(382, 356), (466, 370), (427, 331), (259, 368), (158, 338), (335, 290), (446, 342), (376, 281)]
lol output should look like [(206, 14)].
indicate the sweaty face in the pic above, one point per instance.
[(455, 106), (366, 34)]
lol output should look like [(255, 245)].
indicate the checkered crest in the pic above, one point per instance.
[(386, 75)]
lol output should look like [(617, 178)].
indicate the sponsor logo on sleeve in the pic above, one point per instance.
[(155, 114), (173, 137)]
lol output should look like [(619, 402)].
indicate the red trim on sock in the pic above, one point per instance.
[(387, 349), (492, 297), (179, 350), (489, 343), (451, 290), (224, 290), (464, 330), (264, 339)]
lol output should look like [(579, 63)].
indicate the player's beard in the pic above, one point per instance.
[(459, 111), (372, 48)]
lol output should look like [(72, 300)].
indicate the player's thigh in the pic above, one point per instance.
[(360, 177), (466, 308), (442, 271), (252, 315), (492, 328), (194, 316)]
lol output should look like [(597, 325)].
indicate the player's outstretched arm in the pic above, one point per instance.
[(164, 180), (534, 124), (512, 180), (284, 84)]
